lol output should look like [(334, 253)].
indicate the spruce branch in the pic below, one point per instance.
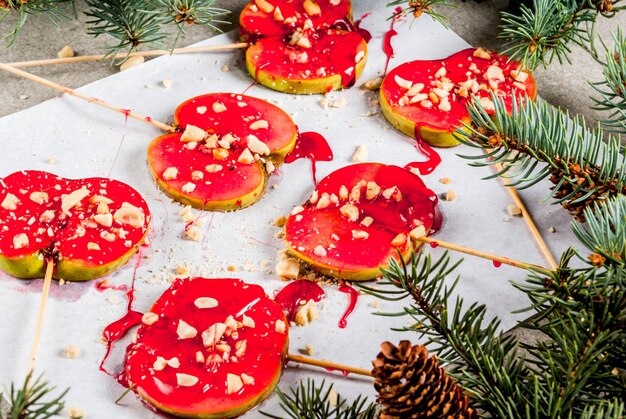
[(309, 401), (33, 400), (420, 7), (535, 141), (52, 9), (128, 21), (191, 12), (612, 89)]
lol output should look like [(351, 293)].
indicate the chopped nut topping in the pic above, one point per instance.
[(213, 334), (486, 103), (170, 173), (71, 351), (193, 134), (355, 193), (520, 86), (367, 221), (264, 5), (278, 15), (445, 105), (10, 202), (399, 240), (314, 197), (259, 124), (297, 210), (306, 313), (246, 157), (269, 167), (220, 153), (280, 326), (494, 75), (417, 232), (312, 8), (206, 302), (38, 197), (360, 234), (359, 56), (481, 53), (519, 75), (131, 215), (188, 187), (360, 154), (248, 321), (105, 235), (320, 251), (240, 347), (66, 52), (343, 192), (373, 190), (218, 107), (173, 362), (450, 195), (197, 175), (441, 72), (97, 199), (93, 246), (324, 201), (149, 318), (201, 110), (304, 42), (407, 84), (159, 364), (200, 357), (350, 211), (105, 220), (213, 168), (103, 208), (247, 379), (186, 380), (233, 383), (257, 146), (415, 89), (185, 331), (72, 199)]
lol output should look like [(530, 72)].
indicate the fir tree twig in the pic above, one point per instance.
[(33, 400), (420, 7), (52, 9), (536, 141)]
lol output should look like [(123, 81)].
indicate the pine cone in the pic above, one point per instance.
[(411, 384)]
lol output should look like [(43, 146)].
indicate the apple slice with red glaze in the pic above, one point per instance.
[(264, 18), (358, 218), (208, 348), (429, 99), (334, 59), (222, 159), (89, 227), (302, 46)]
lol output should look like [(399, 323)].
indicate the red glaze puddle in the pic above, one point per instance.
[(293, 294), (433, 159), (353, 296), (434, 245), (313, 146), (496, 264), (344, 372), (106, 285)]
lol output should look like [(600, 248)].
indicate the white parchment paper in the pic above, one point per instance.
[(85, 140)]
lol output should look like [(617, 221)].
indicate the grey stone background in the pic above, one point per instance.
[(565, 85)]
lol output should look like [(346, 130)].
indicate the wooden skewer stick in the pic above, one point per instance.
[(42, 310), (151, 53), (529, 220), (469, 251), (327, 364), (67, 90)]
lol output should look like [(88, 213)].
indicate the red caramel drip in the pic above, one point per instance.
[(344, 372), (313, 146), (434, 245), (194, 381), (367, 36), (106, 285), (353, 296), (497, 264), (433, 158), (387, 47), (295, 293)]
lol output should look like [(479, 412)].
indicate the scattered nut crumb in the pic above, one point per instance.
[(71, 351), (133, 61), (360, 154), (166, 83), (309, 349), (444, 180), (552, 230), (225, 68), (76, 413), (450, 195), (280, 221), (66, 52), (514, 210), (22, 97), (232, 268), (288, 268), (52, 160), (333, 397), (373, 84), (182, 270), (307, 313), (507, 219)]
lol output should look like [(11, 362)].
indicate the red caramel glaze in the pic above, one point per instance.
[(255, 24), (433, 159), (296, 293), (457, 71), (332, 52), (353, 297), (313, 146), (313, 227), (234, 179), (72, 236), (262, 360), (388, 36)]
